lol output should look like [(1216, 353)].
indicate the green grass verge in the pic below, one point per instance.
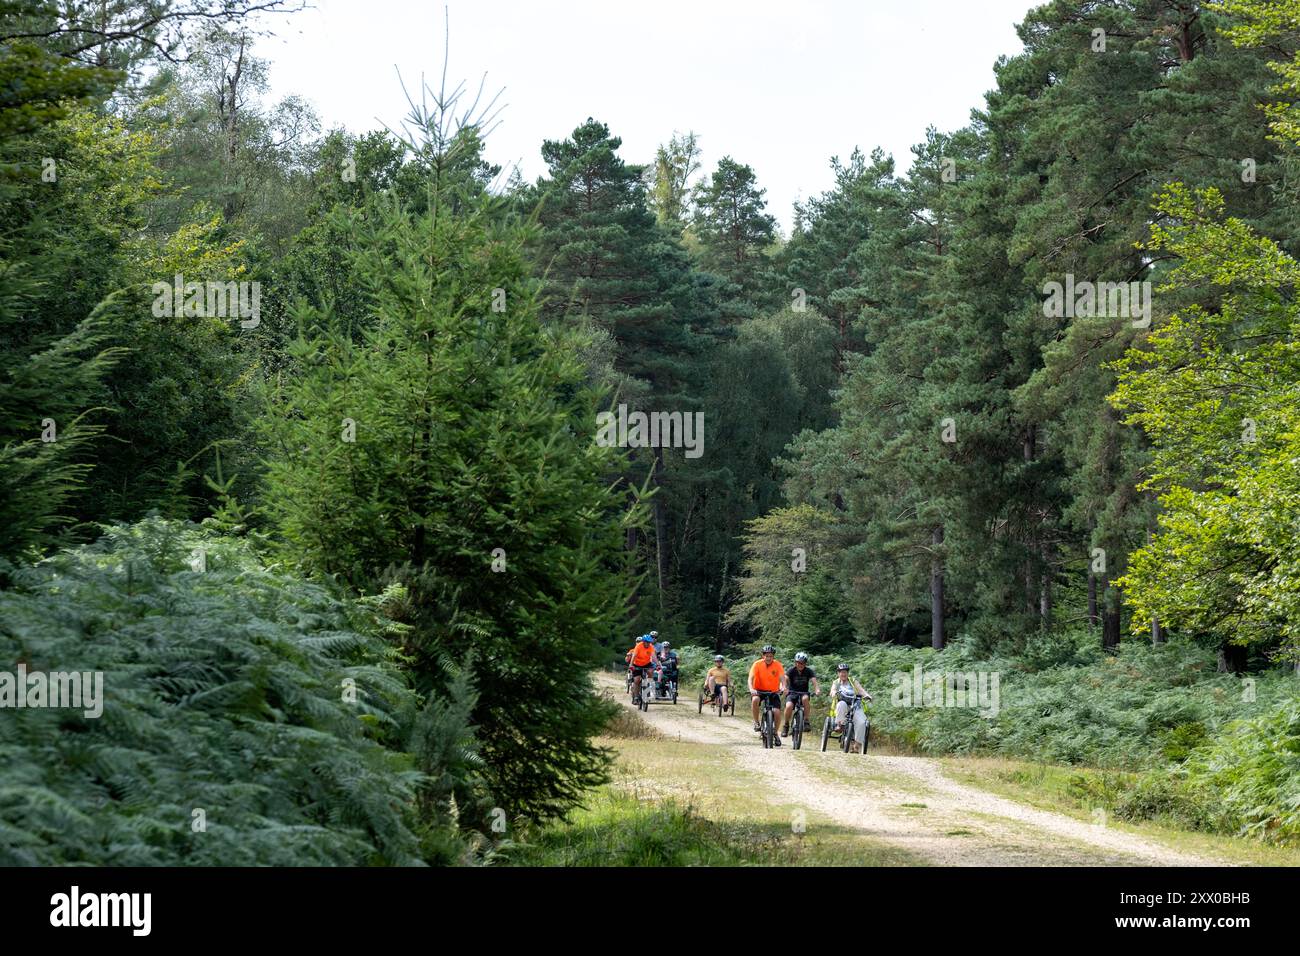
[(1081, 791), (673, 803)]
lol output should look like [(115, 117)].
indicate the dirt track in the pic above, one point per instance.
[(906, 801)]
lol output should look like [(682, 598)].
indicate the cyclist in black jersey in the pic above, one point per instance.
[(799, 679)]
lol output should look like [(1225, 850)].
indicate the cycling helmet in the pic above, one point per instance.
[(769, 649), (654, 633), (646, 639), (668, 643), (801, 656), (842, 667), (719, 658)]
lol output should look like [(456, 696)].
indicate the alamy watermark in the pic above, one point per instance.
[(75, 908), (1086, 299), (73, 690), (976, 689), (651, 430), (220, 300)]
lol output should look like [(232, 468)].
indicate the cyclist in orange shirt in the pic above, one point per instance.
[(766, 679), (641, 657)]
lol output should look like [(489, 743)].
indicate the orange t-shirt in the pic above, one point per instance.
[(642, 654), (764, 676)]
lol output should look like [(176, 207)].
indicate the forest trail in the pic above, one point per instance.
[(907, 802)]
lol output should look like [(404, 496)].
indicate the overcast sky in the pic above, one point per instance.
[(782, 86)]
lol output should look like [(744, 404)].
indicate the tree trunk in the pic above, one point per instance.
[(1045, 589), (661, 526), (228, 114), (631, 542), (1111, 621), (1232, 658), (1032, 593), (936, 591), (722, 588), (1092, 599)]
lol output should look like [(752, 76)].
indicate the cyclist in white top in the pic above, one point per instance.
[(845, 685)]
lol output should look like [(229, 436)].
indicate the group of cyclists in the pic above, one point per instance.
[(651, 659)]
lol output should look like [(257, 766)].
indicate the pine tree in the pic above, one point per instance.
[(607, 263), (734, 231), (820, 619), (820, 269), (605, 258), (447, 448)]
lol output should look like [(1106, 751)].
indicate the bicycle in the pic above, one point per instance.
[(641, 697), (797, 720), (770, 701), (846, 735)]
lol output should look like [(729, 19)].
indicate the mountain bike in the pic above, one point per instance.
[(797, 720), (643, 701), (770, 706)]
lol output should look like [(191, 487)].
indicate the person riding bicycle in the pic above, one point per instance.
[(798, 679), (654, 638), (842, 691), (666, 662), (641, 658), (717, 682), (628, 658), (766, 681)]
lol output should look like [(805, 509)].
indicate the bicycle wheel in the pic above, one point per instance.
[(846, 738), (826, 733), (701, 702), (796, 727), (765, 722), (866, 737)]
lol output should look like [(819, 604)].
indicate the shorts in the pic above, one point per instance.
[(773, 695), (642, 671)]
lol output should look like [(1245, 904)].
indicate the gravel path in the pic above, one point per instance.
[(908, 801)]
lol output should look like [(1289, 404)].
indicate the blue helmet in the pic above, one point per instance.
[(646, 639)]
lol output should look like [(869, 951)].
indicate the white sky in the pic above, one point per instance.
[(782, 86)]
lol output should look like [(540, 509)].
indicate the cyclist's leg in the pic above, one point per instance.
[(785, 714), (859, 724), (841, 711), (753, 700), (723, 688)]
